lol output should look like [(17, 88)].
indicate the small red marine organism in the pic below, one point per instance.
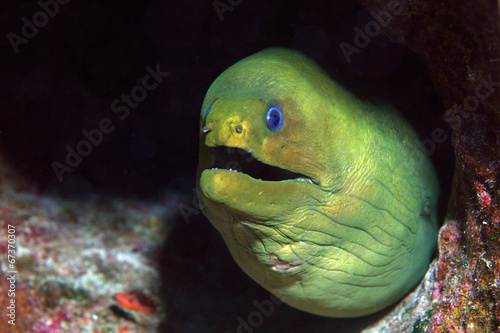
[(136, 300)]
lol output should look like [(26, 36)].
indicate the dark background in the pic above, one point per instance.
[(64, 78)]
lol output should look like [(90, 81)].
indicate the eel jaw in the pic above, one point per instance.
[(239, 160)]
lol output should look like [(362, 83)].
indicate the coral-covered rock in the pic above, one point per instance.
[(460, 44), (69, 258)]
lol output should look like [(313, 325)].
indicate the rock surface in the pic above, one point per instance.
[(459, 41)]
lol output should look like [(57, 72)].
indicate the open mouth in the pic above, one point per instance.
[(239, 160)]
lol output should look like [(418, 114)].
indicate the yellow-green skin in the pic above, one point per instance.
[(357, 238)]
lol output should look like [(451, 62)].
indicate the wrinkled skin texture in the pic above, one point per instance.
[(355, 229)]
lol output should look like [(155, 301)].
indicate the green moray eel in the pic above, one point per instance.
[(325, 200)]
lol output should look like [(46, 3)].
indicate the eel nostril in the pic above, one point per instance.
[(208, 128)]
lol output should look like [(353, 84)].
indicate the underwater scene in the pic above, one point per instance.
[(249, 166)]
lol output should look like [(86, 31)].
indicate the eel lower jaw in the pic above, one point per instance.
[(241, 161)]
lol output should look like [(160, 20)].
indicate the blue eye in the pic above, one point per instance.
[(208, 111), (274, 118)]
